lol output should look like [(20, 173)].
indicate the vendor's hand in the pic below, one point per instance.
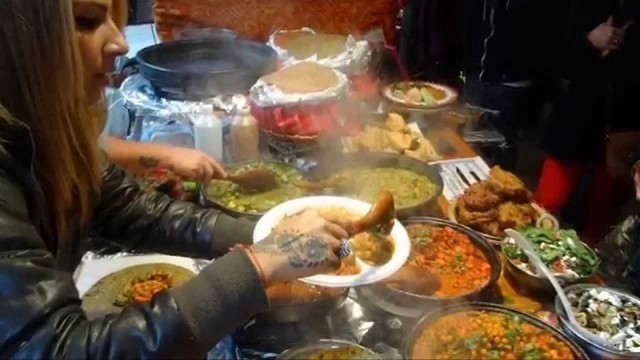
[(307, 244), (193, 164), (606, 37)]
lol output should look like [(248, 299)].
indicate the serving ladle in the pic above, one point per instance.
[(535, 260), (253, 179)]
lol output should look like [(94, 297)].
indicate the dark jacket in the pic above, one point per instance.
[(599, 92), (40, 313), (510, 40)]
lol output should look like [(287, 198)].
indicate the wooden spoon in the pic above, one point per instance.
[(380, 217), (253, 179)]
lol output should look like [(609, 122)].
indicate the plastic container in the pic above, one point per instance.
[(244, 137), (207, 133)]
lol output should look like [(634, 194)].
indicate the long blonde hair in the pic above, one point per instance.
[(41, 86)]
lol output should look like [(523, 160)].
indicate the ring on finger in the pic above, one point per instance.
[(345, 249)]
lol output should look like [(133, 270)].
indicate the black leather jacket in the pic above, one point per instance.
[(40, 313)]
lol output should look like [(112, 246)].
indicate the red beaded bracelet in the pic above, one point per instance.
[(255, 261)]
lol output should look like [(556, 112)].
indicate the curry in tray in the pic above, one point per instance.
[(482, 334), (449, 254), (233, 197)]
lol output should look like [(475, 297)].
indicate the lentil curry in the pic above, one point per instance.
[(450, 254), (479, 334)]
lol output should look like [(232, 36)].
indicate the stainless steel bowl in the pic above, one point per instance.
[(432, 316), (536, 283), (595, 350), (304, 351)]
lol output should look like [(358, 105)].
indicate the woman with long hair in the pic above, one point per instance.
[(56, 188)]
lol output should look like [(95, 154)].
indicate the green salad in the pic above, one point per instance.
[(561, 250)]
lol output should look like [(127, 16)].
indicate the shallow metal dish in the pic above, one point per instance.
[(330, 165), (432, 316), (596, 351), (420, 303), (537, 283), (303, 352)]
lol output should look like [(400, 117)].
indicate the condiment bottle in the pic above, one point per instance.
[(207, 133), (244, 136)]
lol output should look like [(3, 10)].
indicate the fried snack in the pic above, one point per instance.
[(491, 228), (395, 122), (468, 217), (479, 197), (512, 215), (304, 77), (509, 185), (396, 137)]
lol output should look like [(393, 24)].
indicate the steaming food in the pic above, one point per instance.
[(479, 334), (407, 187), (297, 292), (232, 196), (450, 254)]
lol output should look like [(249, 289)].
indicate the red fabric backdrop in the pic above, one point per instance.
[(257, 19)]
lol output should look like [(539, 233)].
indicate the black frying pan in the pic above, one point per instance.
[(196, 69)]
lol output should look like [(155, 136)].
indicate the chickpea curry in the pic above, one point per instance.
[(449, 254), (477, 334)]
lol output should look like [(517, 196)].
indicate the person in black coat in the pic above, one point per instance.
[(599, 72)]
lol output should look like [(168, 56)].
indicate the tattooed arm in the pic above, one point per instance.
[(140, 157), (305, 246)]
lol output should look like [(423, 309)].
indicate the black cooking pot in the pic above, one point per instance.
[(408, 304), (430, 317), (196, 69), (330, 165)]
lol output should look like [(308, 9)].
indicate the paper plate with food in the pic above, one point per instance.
[(132, 284), (420, 95), (379, 248), (500, 202)]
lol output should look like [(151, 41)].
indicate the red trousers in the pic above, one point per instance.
[(557, 183)]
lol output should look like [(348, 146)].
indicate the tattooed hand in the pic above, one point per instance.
[(304, 245)]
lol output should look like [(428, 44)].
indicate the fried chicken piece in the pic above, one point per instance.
[(490, 228), (512, 215), (480, 197), (509, 186), (468, 217)]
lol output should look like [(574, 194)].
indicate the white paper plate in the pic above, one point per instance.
[(368, 274)]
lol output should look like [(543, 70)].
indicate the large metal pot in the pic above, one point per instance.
[(331, 165), (305, 351), (407, 304), (196, 69), (430, 317)]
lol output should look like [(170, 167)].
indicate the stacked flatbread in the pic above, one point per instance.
[(302, 78), (302, 45)]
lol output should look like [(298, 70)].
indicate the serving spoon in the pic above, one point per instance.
[(535, 260), (253, 179)]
